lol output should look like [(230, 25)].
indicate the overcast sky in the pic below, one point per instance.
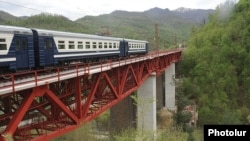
[(74, 9)]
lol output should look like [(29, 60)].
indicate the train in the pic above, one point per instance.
[(23, 48)]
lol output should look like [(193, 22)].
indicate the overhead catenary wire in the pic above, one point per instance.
[(42, 11), (21, 6)]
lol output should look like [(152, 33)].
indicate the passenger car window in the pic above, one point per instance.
[(87, 45), (61, 45), (71, 45), (3, 45), (80, 45)]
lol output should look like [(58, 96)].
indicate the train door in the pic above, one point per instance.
[(36, 49), (43, 47), (126, 48), (123, 48), (48, 51), (21, 49)]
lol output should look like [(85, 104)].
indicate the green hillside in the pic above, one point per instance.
[(173, 26), (47, 21), (141, 25), (215, 66)]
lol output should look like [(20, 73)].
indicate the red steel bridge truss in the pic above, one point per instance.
[(44, 104)]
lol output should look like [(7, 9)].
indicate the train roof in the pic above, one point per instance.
[(44, 32), (138, 41), (14, 29)]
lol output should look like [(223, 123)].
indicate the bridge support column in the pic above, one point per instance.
[(170, 87), (146, 107), (160, 92)]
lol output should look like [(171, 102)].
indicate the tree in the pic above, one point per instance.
[(215, 66)]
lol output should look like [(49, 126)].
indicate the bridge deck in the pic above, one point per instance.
[(21, 81)]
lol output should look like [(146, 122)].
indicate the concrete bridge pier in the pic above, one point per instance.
[(170, 87), (160, 91), (154, 93), (165, 89), (146, 107), (148, 95)]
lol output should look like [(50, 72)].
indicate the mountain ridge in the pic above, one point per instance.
[(5, 15), (173, 26)]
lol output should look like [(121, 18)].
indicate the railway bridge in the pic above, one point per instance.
[(44, 104)]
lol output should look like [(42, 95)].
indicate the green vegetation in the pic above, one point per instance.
[(84, 133), (173, 27), (124, 24), (47, 21), (215, 66), (173, 133)]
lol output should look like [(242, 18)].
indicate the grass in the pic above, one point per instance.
[(173, 133), (84, 133)]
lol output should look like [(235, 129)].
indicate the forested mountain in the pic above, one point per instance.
[(174, 26), (196, 15), (215, 66)]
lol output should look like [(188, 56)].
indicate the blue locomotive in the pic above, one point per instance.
[(25, 48)]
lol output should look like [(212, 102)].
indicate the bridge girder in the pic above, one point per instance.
[(51, 110)]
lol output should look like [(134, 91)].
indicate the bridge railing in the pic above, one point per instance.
[(23, 80)]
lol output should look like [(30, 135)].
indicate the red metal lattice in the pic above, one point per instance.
[(48, 108)]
